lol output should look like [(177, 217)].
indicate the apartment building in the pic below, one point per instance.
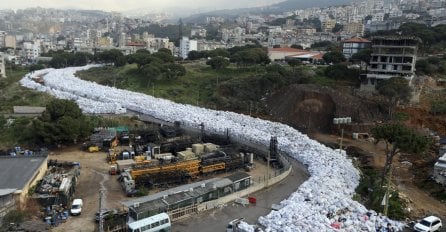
[(2, 66), (328, 25), (391, 57), (10, 41), (31, 50), (2, 38), (187, 45), (354, 45), (354, 28)]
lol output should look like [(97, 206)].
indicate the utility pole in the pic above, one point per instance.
[(387, 196), (101, 223), (340, 122)]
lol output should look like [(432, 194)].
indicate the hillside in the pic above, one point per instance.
[(313, 107), (278, 8)]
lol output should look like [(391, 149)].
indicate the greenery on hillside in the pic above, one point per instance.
[(13, 94)]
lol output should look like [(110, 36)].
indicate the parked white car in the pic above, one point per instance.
[(76, 207), (428, 224)]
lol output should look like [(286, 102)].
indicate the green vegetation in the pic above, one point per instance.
[(438, 107), (13, 94), (61, 123), (13, 216), (334, 57), (371, 195), (395, 90), (398, 138), (433, 66)]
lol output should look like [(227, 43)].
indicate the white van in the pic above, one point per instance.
[(76, 207)]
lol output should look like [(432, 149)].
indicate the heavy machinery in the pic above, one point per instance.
[(90, 147), (149, 175), (166, 168)]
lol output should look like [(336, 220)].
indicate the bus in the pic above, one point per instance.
[(156, 223)]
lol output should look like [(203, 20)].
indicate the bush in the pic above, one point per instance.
[(438, 107), (14, 216), (372, 195), (142, 192)]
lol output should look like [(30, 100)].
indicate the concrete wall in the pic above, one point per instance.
[(38, 175), (256, 186)]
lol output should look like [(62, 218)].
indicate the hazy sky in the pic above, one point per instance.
[(125, 5)]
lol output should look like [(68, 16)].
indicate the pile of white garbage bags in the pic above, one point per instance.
[(323, 203)]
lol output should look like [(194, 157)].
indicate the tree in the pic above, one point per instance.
[(140, 58), (165, 57), (173, 71), (151, 71), (334, 57), (398, 138), (294, 63), (194, 55), (61, 123), (165, 50), (323, 45), (337, 28), (395, 90), (363, 55), (218, 62), (218, 52), (297, 46), (337, 71)]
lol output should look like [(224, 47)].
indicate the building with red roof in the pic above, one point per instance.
[(354, 45)]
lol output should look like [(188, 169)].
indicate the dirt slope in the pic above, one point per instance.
[(314, 107)]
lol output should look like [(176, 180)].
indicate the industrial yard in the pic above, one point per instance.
[(94, 176)]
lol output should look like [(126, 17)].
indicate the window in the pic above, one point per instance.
[(164, 221), (155, 224)]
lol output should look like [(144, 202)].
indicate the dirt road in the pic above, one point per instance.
[(94, 176), (421, 203)]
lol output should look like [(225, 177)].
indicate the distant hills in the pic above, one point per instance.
[(289, 5)]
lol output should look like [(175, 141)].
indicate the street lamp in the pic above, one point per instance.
[(341, 121)]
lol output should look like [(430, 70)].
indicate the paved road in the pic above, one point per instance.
[(217, 219)]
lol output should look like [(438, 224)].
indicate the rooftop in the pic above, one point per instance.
[(28, 109), (357, 40), (286, 50), (17, 171), (7, 191)]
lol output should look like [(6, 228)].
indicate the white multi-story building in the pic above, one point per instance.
[(187, 45), (2, 66), (78, 42), (2, 38), (354, 45), (31, 50)]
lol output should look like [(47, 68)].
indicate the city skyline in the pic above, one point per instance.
[(131, 5)]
